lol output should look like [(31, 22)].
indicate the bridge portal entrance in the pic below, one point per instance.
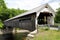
[(44, 18)]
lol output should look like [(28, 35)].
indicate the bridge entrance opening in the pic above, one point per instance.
[(44, 18)]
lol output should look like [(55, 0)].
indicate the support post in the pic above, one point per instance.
[(52, 20), (36, 21)]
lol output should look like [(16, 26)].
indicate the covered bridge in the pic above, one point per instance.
[(29, 20)]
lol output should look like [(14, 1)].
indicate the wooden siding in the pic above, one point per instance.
[(26, 22)]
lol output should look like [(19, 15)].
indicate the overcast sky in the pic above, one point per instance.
[(30, 4)]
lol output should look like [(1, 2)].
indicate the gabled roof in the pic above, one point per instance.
[(37, 9)]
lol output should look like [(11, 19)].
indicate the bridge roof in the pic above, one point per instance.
[(37, 9)]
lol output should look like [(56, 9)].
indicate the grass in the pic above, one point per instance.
[(47, 35)]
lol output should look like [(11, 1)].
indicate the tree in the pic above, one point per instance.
[(57, 18), (9, 13), (2, 8), (4, 15), (2, 4)]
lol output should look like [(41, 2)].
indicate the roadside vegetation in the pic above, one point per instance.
[(44, 34)]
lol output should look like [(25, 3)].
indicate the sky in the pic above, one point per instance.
[(30, 4)]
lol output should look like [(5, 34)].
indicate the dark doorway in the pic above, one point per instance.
[(42, 19)]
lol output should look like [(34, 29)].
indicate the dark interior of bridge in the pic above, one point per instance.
[(42, 19)]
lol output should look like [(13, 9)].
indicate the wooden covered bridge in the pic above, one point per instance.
[(29, 20)]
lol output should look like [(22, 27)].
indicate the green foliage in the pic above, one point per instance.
[(1, 24), (2, 4), (2, 9), (8, 13), (46, 28), (14, 12), (57, 18)]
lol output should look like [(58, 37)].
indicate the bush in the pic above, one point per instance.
[(46, 28)]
